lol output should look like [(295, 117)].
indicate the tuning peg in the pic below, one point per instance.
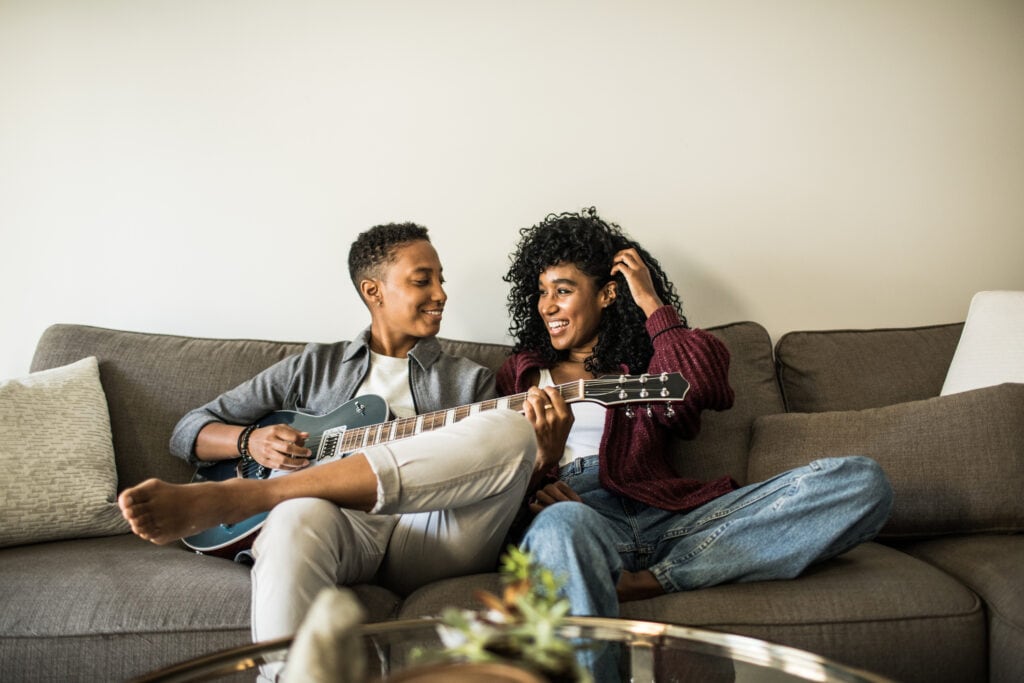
[(630, 413), (669, 411), (650, 410)]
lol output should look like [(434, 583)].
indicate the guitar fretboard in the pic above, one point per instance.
[(341, 440)]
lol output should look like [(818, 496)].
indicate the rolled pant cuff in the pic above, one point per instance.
[(384, 465), (661, 573)]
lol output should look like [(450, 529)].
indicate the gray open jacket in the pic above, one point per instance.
[(323, 376)]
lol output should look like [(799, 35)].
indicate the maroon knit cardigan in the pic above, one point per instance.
[(634, 450)]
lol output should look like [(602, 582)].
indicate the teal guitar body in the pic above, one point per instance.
[(227, 540)]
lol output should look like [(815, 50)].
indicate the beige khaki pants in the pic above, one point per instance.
[(445, 501)]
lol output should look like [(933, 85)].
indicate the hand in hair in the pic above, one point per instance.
[(638, 278)]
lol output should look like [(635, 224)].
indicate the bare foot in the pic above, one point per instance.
[(638, 586), (161, 513)]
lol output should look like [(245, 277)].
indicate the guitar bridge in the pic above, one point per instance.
[(329, 444)]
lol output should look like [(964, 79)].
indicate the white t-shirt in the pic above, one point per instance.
[(389, 379), (587, 429)]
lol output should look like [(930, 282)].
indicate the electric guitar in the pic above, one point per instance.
[(363, 422)]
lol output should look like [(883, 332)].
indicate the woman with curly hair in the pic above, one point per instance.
[(612, 515)]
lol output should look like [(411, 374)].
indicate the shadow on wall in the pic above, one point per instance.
[(708, 299)]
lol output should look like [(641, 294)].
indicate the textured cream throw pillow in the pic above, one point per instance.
[(59, 479)]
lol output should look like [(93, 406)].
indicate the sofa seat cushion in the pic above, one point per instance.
[(117, 597), (119, 584), (956, 463), (856, 369), (990, 565), (66, 598), (874, 608)]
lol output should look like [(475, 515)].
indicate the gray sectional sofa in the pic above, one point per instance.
[(939, 597)]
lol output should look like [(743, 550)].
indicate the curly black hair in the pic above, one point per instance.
[(589, 242), (376, 248)]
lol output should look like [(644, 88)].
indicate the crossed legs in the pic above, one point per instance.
[(459, 465), (161, 512)]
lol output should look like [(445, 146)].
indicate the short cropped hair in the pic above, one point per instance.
[(375, 248)]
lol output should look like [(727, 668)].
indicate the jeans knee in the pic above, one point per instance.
[(865, 483), (566, 517), (869, 477), (562, 528)]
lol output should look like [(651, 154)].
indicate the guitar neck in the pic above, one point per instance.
[(608, 390), (348, 440)]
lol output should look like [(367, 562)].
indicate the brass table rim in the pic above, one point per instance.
[(636, 633)]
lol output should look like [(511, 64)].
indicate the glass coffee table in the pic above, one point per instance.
[(644, 651)]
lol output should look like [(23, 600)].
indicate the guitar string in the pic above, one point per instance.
[(401, 428)]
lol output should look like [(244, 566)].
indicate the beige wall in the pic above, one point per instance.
[(201, 167)]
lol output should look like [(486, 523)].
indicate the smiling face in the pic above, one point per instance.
[(407, 300), (570, 304)]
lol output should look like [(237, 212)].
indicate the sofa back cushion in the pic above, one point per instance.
[(721, 447), (856, 369), (956, 463), (151, 380), (488, 355)]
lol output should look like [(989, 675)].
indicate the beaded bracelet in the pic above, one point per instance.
[(243, 443)]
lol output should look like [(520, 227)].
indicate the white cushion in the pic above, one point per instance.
[(59, 478), (991, 347)]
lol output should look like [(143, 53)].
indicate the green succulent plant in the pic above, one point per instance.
[(520, 626)]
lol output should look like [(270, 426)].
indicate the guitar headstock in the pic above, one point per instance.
[(613, 390)]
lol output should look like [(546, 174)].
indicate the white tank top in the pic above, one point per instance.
[(587, 429), (389, 378)]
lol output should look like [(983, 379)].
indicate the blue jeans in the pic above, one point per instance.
[(770, 530)]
